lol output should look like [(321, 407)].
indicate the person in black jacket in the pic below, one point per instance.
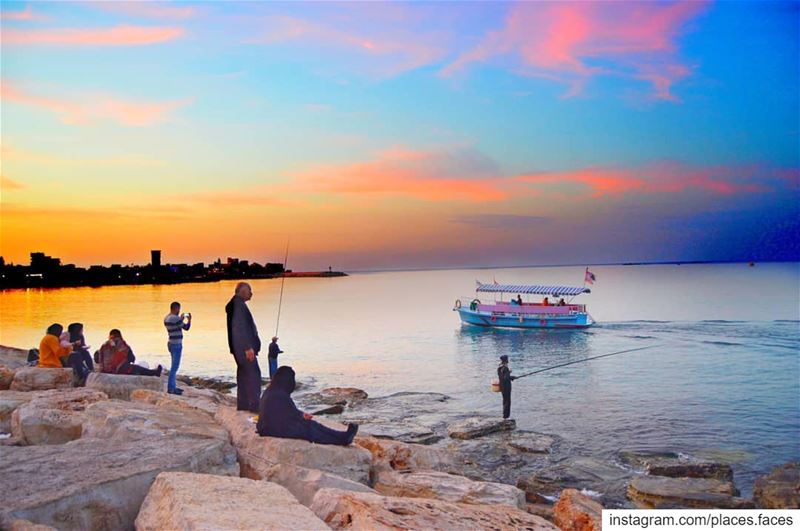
[(244, 344), (504, 375), (279, 417)]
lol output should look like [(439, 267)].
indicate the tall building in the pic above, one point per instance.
[(155, 259)]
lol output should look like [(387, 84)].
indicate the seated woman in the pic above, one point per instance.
[(50, 349), (79, 359), (279, 417), (116, 357)]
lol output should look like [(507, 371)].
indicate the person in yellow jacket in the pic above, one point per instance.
[(50, 349)]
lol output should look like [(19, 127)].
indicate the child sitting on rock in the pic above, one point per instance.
[(279, 417)]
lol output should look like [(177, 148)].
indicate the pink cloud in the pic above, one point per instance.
[(94, 107), (26, 15), (116, 36), (564, 41), (157, 10)]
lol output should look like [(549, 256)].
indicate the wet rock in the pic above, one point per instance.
[(215, 384), (9, 401), (6, 377), (655, 492), (101, 483), (181, 501), (531, 442), (447, 487), (257, 454), (331, 410), (203, 399), (576, 512), (304, 483), (575, 472), (780, 489), (336, 396), (53, 417), (395, 455), (478, 427), (677, 465), (358, 510), (120, 386), (39, 379)]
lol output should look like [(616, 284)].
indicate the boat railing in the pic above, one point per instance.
[(525, 308)]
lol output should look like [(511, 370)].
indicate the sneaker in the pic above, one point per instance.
[(352, 429), (175, 391)]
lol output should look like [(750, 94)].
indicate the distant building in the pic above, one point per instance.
[(155, 258)]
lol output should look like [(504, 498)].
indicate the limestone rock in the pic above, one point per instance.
[(179, 501), (541, 509), (478, 427), (13, 358), (347, 393), (576, 512), (25, 525), (6, 377), (780, 489), (94, 484), (396, 455), (330, 410), (654, 492), (53, 417), (203, 399), (677, 466), (448, 487), (9, 401), (358, 510), (304, 483), (121, 386), (257, 454), (531, 442), (576, 472), (39, 379)]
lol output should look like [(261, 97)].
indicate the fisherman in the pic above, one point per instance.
[(504, 375), (244, 344), (272, 356)]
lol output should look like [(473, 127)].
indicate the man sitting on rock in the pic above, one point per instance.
[(116, 357), (279, 417)]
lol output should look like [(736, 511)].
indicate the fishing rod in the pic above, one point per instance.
[(283, 281), (581, 361)]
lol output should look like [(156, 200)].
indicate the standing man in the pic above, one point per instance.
[(272, 356), (504, 375), (244, 345), (175, 322)]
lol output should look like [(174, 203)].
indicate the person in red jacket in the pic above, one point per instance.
[(116, 357)]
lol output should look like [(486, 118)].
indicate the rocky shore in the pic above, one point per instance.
[(121, 453)]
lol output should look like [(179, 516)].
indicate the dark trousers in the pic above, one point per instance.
[(136, 370), (320, 434), (506, 403), (81, 363), (248, 383)]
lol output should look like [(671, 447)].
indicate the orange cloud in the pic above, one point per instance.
[(8, 184), (564, 40), (94, 107), (116, 36)]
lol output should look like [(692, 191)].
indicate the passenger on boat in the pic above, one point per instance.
[(50, 349), (279, 417), (80, 360), (519, 299), (546, 302), (561, 301), (116, 357)]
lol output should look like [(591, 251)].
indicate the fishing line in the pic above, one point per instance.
[(582, 360), (283, 281)]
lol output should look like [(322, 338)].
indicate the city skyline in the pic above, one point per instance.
[(401, 135)]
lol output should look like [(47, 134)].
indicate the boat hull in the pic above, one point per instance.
[(505, 320)]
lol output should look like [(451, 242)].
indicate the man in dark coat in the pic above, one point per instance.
[(504, 375), (279, 417), (244, 344)]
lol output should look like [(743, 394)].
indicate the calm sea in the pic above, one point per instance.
[(722, 381)]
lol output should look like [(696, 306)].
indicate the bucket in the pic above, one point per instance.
[(496, 386)]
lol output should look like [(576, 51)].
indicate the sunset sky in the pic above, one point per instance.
[(397, 135)]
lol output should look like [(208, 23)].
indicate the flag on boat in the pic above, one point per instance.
[(589, 278)]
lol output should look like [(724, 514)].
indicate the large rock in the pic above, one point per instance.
[(576, 472), (53, 417), (39, 379), (674, 465), (448, 487), (203, 399), (531, 442), (257, 454), (358, 510), (396, 455), (9, 402), (179, 501), (6, 377), (576, 512), (100, 483), (780, 489), (12, 357), (25, 525), (479, 426), (656, 492), (121, 386), (305, 482)]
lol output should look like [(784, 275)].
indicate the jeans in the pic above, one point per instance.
[(175, 350), (273, 366)]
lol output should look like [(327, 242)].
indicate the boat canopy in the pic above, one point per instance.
[(555, 291)]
